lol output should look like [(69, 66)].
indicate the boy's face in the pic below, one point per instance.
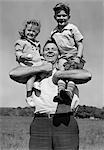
[(62, 18), (31, 31), (51, 52)]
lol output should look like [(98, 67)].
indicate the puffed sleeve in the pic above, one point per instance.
[(38, 47), (19, 46)]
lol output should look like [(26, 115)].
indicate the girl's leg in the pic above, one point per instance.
[(29, 85), (29, 88)]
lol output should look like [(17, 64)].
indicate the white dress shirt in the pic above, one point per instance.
[(44, 103)]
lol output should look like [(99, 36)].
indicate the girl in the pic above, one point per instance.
[(27, 50)]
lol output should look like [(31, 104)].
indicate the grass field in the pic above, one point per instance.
[(14, 133)]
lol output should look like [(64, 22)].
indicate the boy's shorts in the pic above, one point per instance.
[(70, 64)]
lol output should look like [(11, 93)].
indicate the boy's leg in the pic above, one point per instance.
[(67, 94), (63, 106), (61, 83), (75, 101), (61, 87), (70, 88)]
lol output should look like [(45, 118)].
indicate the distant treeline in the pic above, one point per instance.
[(82, 112)]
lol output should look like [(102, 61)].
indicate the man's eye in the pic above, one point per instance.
[(47, 49), (58, 16), (64, 15), (53, 49), (61, 15)]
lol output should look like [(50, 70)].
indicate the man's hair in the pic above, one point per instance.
[(62, 6), (50, 40), (26, 23)]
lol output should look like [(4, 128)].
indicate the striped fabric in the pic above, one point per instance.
[(57, 133)]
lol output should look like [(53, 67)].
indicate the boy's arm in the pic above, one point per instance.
[(78, 39), (80, 52), (80, 49)]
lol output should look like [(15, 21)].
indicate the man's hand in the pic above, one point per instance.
[(26, 57), (47, 66)]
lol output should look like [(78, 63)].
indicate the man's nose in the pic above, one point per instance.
[(31, 32)]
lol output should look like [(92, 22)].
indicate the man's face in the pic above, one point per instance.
[(62, 18), (51, 52)]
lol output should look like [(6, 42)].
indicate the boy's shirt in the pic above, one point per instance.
[(23, 46), (66, 39)]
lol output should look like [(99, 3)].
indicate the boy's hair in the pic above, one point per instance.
[(62, 6), (27, 22)]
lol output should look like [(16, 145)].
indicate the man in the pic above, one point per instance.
[(53, 126)]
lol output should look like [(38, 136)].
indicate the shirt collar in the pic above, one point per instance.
[(67, 27)]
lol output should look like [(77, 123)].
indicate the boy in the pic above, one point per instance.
[(69, 41)]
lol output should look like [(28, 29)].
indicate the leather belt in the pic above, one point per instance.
[(44, 115), (52, 115)]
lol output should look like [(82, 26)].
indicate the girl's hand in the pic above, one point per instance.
[(76, 60), (27, 57)]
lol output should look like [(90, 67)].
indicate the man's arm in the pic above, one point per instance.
[(22, 73), (79, 76)]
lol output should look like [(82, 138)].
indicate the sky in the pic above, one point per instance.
[(87, 15)]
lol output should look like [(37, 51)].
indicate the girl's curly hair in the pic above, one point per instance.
[(27, 22)]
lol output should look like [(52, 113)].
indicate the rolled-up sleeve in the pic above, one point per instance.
[(77, 35)]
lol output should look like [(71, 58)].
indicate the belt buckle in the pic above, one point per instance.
[(49, 116)]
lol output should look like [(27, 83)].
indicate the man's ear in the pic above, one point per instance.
[(69, 16), (55, 17)]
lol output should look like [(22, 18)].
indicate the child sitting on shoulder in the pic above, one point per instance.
[(69, 41), (28, 53)]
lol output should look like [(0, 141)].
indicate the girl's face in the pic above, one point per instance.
[(62, 18), (31, 31), (51, 52)]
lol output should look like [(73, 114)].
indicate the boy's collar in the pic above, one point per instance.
[(68, 26)]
